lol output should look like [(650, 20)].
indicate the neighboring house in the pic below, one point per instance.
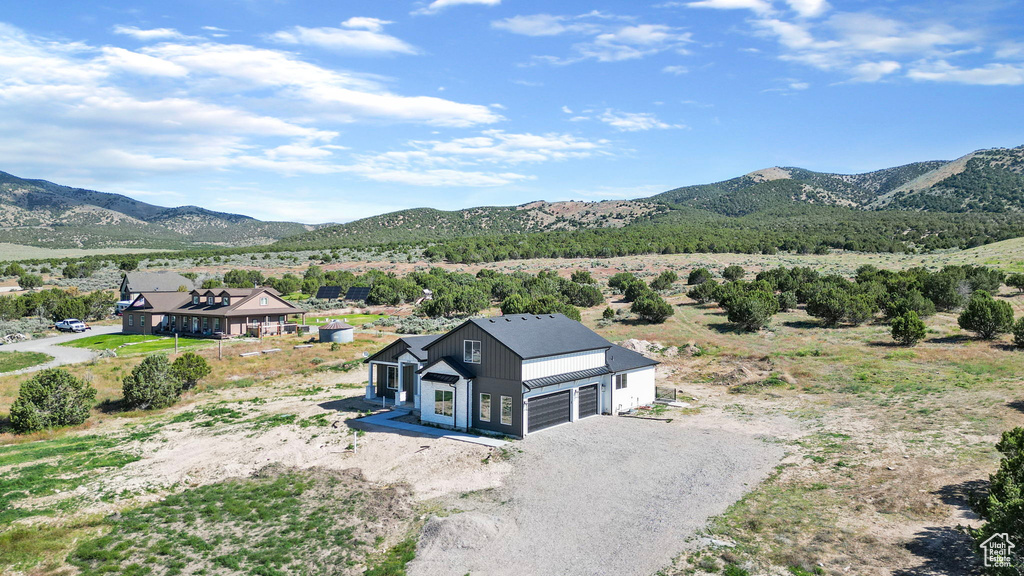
[(513, 375), (213, 312), (135, 283)]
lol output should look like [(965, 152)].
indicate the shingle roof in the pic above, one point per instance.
[(620, 359), (160, 301), (454, 363), (418, 343), (567, 377), (157, 281), (536, 336)]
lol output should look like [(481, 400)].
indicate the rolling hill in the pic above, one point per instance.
[(41, 213)]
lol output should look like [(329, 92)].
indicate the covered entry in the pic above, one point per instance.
[(550, 410)]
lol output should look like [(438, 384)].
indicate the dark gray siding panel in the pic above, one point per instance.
[(380, 377), (497, 389), (496, 361), (588, 401), (550, 410)]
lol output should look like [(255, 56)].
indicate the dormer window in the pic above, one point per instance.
[(195, 299), (263, 301), (471, 351), (209, 300), (225, 300)]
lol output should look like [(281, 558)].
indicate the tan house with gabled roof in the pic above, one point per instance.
[(216, 312)]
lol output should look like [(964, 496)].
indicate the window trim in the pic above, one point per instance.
[(467, 351), (131, 320), (264, 301), (387, 377), (225, 300), (448, 403), (195, 299), (484, 415), (209, 300), (621, 381), (510, 410)]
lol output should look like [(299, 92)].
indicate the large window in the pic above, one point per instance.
[(471, 351), (485, 407), (206, 324), (506, 410), (443, 402), (391, 377), (620, 381), (216, 324), (142, 320)]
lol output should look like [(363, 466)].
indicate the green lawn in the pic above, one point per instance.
[(11, 361), (132, 343), (353, 319)]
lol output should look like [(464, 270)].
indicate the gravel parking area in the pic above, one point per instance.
[(601, 496)]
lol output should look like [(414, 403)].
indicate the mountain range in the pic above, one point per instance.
[(41, 213)]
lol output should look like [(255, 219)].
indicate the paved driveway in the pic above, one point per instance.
[(61, 354), (606, 495)]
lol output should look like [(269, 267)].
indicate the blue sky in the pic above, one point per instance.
[(322, 111)]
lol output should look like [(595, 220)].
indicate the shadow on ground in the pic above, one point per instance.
[(1017, 405), (942, 549)]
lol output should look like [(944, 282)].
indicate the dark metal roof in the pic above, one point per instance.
[(567, 377), (162, 281), (328, 292), (357, 293), (442, 378), (620, 359), (454, 364), (537, 336)]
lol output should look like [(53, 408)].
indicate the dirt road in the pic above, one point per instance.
[(61, 354)]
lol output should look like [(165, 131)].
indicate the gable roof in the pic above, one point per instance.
[(181, 302), (415, 345), (162, 281), (159, 301), (539, 335), (620, 359), (460, 368)]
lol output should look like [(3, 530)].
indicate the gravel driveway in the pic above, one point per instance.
[(61, 354), (602, 496)]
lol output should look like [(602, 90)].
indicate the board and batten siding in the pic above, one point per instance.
[(496, 360), (562, 364)]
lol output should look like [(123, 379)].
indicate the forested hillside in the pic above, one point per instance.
[(41, 213)]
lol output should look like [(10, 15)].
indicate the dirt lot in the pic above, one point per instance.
[(603, 496)]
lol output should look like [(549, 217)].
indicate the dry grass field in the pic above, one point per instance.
[(891, 440)]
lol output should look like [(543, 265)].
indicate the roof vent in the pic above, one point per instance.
[(551, 316), (508, 319), (491, 321)]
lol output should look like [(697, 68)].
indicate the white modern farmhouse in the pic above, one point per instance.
[(512, 375)]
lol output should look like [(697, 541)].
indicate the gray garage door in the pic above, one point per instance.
[(547, 411), (588, 400)]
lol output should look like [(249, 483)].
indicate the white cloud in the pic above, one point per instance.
[(809, 8), (439, 5), (332, 95), (151, 34), (676, 70), (989, 75), (142, 64), (608, 38), (634, 121), (874, 71), (356, 35), (544, 25), (758, 6)]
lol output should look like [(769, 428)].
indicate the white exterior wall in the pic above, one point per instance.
[(461, 408), (639, 391), (552, 365)]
